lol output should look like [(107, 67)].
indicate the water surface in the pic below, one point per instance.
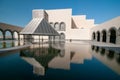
[(70, 61)]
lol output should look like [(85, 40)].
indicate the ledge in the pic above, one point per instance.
[(14, 48)]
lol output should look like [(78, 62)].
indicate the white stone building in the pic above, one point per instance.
[(108, 32), (70, 27), (73, 27)]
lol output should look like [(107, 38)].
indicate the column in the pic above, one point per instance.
[(3, 35), (108, 37)]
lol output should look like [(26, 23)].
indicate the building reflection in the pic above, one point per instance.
[(39, 57), (8, 44), (108, 56), (58, 56)]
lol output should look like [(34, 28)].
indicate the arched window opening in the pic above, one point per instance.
[(112, 35), (15, 35), (8, 35), (1, 35), (93, 35), (98, 36), (104, 36), (56, 26), (62, 26)]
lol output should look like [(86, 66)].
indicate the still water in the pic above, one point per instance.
[(9, 44), (69, 61)]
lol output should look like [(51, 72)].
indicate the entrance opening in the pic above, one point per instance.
[(112, 36), (15, 35), (1, 35), (8, 35), (104, 36), (93, 35), (98, 36)]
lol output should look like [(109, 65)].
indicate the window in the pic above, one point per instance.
[(8, 35), (56, 26), (1, 35), (62, 26), (94, 36), (15, 34)]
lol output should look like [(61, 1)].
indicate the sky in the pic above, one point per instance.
[(19, 12)]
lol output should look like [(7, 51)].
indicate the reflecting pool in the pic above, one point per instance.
[(59, 61), (9, 44)]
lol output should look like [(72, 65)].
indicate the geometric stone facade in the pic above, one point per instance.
[(74, 27), (108, 32), (70, 27), (12, 29)]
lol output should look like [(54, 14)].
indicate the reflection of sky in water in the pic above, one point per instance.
[(68, 61)]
